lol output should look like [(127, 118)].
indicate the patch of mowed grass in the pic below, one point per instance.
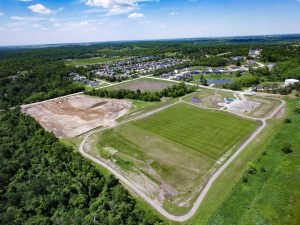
[(211, 133), (271, 195), (114, 139)]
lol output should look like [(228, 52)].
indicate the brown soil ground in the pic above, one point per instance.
[(72, 116), (144, 85)]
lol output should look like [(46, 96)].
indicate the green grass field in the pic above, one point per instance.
[(90, 61), (177, 147), (271, 196), (209, 132), (196, 78)]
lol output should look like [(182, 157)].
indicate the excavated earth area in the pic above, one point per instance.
[(75, 115)]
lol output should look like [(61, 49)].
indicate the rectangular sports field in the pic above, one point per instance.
[(171, 154)]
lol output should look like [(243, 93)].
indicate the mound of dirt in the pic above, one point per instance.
[(72, 116)]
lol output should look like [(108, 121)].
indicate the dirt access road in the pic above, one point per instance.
[(204, 192)]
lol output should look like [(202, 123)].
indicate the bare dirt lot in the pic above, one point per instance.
[(72, 116), (144, 85)]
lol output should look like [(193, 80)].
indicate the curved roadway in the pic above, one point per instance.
[(202, 195)]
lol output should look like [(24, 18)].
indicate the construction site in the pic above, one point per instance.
[(74, 115)]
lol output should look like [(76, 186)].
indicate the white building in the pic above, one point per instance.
[(291, 82)]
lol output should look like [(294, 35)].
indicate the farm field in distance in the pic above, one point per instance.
[(91, 61), (143, 84), (171, 154)]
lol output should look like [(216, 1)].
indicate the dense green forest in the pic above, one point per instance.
[(44, 182), (41, 82), (175, 91)]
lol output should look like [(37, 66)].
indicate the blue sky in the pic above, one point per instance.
[(68, 21)]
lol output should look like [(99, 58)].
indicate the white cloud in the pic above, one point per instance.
[(135, 15), (115, 7), (2, 13), (26, 0), (39, 8), (173, 13), (19, 18), (39, 26)]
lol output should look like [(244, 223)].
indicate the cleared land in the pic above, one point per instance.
[(208, 98), (72, 116), (143, 84), (170, 155), (93, 60), (266, 106), (253, 106)]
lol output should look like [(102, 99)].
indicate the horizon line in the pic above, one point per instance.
[(142, 40)]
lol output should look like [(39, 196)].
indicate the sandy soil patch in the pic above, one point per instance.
[(242, 107), (72, 116)]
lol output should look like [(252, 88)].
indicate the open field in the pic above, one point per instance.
[(267, 105), (271, 196), (144, 84), (90, 61), (139, 108), (208, 98), (253, 106), (171, 154), (74, 115)]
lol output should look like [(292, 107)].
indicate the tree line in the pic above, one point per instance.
[(177, 90)]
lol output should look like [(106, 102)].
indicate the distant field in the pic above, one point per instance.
[(90, 61), (144, 85), (171, 154)]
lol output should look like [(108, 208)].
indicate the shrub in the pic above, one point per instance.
[(287, 120), (297, 109), (263, 169), (252, 168), (287, 148), (245, 179)]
